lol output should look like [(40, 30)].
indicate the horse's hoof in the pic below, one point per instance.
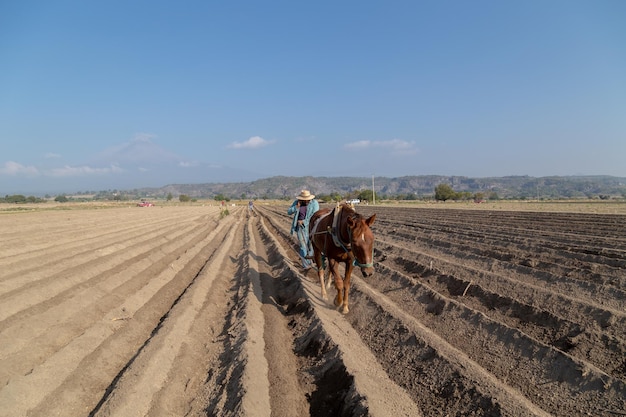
[(345, 310)]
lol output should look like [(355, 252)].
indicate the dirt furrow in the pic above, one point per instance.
[(60, 380), (193, 311), (515, 322), (66, 259), (600, 306), (439, 376), (135, 391), (82, 274), (591, 225), (77, 228), (592, 327), (42, 330), (491, 343), (469, 266), (391, 355), (585, 235), (288, 393), (583, 338), (347, 375), (483, 241)]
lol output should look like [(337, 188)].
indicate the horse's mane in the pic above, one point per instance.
[(351, 211), (347, 206), (350, 207)]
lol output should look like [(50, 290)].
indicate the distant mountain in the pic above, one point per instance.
[(413, 186)]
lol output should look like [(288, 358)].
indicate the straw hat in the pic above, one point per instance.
[(306, 195)]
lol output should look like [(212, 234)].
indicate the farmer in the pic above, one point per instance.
[(302, 209)]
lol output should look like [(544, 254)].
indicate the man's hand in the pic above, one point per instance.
[(300, 222)]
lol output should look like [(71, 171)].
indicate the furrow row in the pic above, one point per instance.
[(57, 341)]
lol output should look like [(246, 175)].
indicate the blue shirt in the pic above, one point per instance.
[(310, 208)]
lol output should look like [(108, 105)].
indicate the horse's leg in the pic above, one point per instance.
[(346, 286), (334, 269), (320, 272), (329, 281)]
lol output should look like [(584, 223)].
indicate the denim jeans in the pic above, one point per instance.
[(305, 245)]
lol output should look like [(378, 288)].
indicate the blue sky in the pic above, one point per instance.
[(121, 94)]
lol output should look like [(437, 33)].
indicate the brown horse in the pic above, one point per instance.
[(342, 235)]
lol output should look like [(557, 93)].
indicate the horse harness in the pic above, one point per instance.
[(334, 233)]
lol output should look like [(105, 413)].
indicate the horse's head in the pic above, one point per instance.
[(362, 242)]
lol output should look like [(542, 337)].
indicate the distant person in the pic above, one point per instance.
[(303, 208), (251, 205)]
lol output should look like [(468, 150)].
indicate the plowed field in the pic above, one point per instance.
[(185, 311)]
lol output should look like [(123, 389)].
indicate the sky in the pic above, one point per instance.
[(98, 95)]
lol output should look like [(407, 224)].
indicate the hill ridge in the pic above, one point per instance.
[(411, 187)]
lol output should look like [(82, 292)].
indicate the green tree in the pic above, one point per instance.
[(183, 198), (61, 199), (463, 195), (365, 195), (169, 197), (444, 192), (335, 196), (220, 197), (16, 198)]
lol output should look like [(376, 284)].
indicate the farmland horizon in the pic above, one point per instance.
[(417, 185)]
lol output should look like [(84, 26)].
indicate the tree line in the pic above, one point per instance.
[(445, 192), (442, 192), (21, 199)]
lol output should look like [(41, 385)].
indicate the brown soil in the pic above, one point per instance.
[(184, 311)]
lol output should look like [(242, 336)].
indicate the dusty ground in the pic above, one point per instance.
[(182, 311)]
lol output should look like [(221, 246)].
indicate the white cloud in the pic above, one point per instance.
[(143, 137), (51, 155), (82, 171), (398, 145), (394, 146), (188, 164), (254, 142), (361, 144), (14, 168)]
